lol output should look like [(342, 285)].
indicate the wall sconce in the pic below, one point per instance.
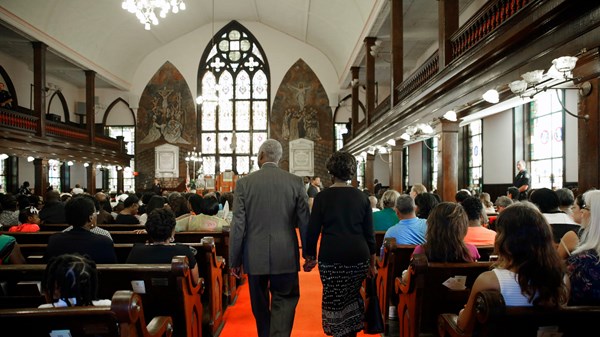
[(562, 71), (30, 159), (405, 136), (450, 116), (491, 96), (3, 156), (70, 163), (86, 164), (391, 142)]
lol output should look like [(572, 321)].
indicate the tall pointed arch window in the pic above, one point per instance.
[(233, 83)]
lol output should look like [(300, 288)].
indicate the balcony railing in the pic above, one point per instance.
[(23, 121)]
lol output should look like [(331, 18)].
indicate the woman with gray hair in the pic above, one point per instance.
[(342, 217), (387, 217)]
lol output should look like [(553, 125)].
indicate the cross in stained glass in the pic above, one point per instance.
[(251, 63), (217, 64)]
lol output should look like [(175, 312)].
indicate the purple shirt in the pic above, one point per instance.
[(472, 250)]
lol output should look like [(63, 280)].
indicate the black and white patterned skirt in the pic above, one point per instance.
[(343, 307)]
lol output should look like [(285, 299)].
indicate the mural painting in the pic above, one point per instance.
[(166, 115), (301, 110)]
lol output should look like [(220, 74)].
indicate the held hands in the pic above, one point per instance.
[(236, 271), (372, 271), (309, 263)]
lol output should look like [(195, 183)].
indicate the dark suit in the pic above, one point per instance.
[(268, 205), (79, 240)]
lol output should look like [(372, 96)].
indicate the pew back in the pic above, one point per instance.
[(423, 297), (124, 318), (495, 319)]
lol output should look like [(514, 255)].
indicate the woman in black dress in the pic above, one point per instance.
[(342, 216)]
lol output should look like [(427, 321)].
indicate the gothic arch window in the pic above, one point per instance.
[(233, 81)]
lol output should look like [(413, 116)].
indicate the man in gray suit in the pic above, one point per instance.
[(268, 206)]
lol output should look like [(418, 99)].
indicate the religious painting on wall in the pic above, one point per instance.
[(301, 110), (166, 115)]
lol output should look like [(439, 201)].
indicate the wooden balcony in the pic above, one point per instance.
[(66, 141)]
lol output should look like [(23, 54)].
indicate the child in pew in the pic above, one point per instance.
[(528, 271), (29, 221), (161, 229), (71, 280)]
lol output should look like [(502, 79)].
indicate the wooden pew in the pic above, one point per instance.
[(423, 297), (108, 227), (379, 240), (495, 319), (124, 318), (211, 268), (390, 265), (168, 289)]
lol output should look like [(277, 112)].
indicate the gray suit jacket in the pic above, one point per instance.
[(268, 206)]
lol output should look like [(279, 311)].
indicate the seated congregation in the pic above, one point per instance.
[(442, 269)]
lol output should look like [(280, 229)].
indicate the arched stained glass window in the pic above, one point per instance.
[(233, 81)]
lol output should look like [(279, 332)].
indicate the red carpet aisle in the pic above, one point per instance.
[(239, 321)]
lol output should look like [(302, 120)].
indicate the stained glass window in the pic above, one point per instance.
[(546, 137), (234, 115), (475, 156)]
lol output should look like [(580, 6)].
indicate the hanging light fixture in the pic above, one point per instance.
[(491, 96), (145, 10)]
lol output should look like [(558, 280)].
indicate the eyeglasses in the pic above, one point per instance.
[(585, 207)]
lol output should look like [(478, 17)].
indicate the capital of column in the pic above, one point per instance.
[(449, 126)]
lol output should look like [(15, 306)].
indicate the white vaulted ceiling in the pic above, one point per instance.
[(101, 36)]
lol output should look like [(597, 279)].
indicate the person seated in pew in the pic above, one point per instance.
[(528, 271), (156, 201), (81, 214), (53, 210), (207, 219), (486, 200), (548, 203), (95, 229), (71, 280), (410, 230), (425, 202), (161, 229), (477, 234), (9, 215), (570, 240), (10, 253), (129, 213), (387, 217), (29, 221), (446, 230), (583, 266), (566, 199)]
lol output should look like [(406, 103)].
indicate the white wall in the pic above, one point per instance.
[(78, 175), (498, 148), (381, 168), (26, 173), (415, 163), (571, 138)]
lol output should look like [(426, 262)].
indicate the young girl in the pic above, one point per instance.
[(71, 280), (29, 221)]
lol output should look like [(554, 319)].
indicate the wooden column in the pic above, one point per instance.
[(354, 124), (448, 24), (397, 47), (588, 132), (90, 105), (396, 166), (448, 171), (39, 87), (40, 172), (91, 178), (369, 172), (370, 75), (120, 183)]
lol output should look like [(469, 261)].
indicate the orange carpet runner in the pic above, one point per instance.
[(239, 321)]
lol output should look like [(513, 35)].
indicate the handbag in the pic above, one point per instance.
[(373, 317)]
